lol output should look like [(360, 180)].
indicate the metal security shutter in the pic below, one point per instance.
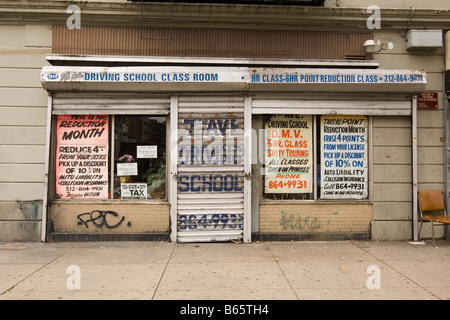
[(210, 169), (110, 103), (308, 105)]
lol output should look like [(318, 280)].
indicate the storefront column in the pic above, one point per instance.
[(247, 168), (446, 107), (414, 168), (173, 167), (48, 135)]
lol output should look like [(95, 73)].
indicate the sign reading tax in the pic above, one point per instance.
[(288, 151), (344, 157), (82, 156)]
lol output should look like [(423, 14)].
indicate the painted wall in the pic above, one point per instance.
[(392, 144), (23, 109)]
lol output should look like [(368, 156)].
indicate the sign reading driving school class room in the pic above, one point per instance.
[(82, 156), (343, 165), (288, 153), (196, 78)]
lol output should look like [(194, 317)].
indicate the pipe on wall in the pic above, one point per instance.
[(446, 106)]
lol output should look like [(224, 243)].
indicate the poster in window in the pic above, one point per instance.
[(288, 154), (82, 156), (343, 165)]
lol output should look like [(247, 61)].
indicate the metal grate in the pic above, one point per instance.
[(210, 180), (249, 2), (156, 33), (208, 42)]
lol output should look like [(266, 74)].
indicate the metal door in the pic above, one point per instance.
[(209, 180)]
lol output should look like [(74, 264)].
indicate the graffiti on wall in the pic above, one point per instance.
[(297, 222), (99, 218)]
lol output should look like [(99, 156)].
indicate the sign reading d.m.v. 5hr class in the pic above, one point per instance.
[(288, 154), (82, 156)]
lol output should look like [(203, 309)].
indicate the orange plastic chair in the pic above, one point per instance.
[(433, 201)]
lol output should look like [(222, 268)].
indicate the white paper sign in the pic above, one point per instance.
[(133, 190), (344, 161), (147, 151), (127, 169)]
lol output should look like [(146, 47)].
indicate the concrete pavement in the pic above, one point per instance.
[(362, 270)]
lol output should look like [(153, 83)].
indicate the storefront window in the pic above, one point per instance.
[(140, 154), (288, 157), (93, 150), (315, 157), (343, 157)]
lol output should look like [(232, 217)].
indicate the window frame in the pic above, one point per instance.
[(111, 163), (260, 125)]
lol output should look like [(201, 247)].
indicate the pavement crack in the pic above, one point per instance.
[(163, 272), (277, 261), (8, 290), (34, 272)]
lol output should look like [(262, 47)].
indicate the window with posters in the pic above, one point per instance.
[(311, 157), (110, 157), (289, 157), (343, 157)]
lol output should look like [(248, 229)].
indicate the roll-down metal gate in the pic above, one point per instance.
[(210, 176)]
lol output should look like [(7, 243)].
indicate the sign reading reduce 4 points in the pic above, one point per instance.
[(82, 156), (344, 157)]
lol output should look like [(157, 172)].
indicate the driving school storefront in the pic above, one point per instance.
[(218, 153)]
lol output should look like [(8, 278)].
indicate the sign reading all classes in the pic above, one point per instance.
[(82, 156), (288, 154), (343, 157)]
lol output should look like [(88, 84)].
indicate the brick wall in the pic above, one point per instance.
[(130, 218), (321, 218)]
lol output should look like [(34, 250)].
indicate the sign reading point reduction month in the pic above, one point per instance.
[(289, 154), (82, 156), (344, 157)]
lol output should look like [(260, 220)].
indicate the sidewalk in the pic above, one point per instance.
[(257, 271)]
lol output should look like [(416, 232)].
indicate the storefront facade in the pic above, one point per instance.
[(218, 154), (219, 122)]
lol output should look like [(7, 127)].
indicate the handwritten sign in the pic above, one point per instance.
[(127, 169), (148, 152), (288, 154), (344, 157), (82, 156)]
